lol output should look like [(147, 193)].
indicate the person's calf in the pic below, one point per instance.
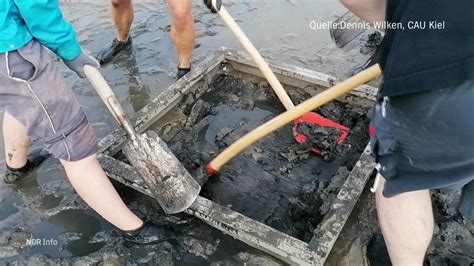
[(182, 30), (16, 141), (407, 224), (122, 16), (94, 187)]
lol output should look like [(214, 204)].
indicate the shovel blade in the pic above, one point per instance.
[(342, 35), (171, 184)]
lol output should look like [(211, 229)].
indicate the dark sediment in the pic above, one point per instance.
[(275, 181)]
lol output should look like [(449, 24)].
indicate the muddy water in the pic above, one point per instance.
[(44, 206)]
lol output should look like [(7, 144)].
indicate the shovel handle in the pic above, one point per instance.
[(108, 97), (257, 58), (290, 115)]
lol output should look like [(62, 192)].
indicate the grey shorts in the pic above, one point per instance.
[(33, 90), (426, 141)]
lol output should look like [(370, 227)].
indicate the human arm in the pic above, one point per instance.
[(47, 25)]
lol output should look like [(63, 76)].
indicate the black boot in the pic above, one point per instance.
[(106, 55), (181, 72), (35, 158), (148, 233)]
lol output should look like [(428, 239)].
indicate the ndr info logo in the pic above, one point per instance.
[(41, 242)]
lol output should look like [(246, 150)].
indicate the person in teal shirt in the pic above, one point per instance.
[(23, 20), (39, 106)]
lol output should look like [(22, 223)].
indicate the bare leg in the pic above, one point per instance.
[(406, 221), (16, 142), (182, 30), (122, 15), (86, 176), (94, 187), (368, 10)]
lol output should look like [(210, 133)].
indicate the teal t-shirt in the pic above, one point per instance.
[(23, 20)]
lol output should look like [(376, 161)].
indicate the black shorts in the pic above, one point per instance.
[(426, 141)]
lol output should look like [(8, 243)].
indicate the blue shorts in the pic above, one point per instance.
[(426, 141)]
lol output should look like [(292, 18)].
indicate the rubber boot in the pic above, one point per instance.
[(106, 55), (35, 158), (181, 72), (148, 233)]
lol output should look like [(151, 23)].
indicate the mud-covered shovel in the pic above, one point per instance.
[(174, 188), (343, 35)]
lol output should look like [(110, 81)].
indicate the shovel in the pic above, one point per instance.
[(341, 35), (174, 188), (308, 118), (292, 114)]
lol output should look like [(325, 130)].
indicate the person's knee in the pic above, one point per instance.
[(351, 4), (121, 3), (180, 12)]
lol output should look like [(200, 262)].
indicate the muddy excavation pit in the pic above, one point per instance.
[(276, 181), (276, 196)]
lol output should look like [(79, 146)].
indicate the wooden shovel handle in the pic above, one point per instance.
[(262, 65), (290, 115), (109, 98)]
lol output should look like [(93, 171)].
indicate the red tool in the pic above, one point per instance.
[(316, 119)]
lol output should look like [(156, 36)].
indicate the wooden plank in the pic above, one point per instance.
[(160, 105), (328, 231), (247, 230), (294, 76), (286, 73)]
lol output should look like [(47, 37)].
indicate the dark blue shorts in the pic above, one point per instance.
[(426, 141)]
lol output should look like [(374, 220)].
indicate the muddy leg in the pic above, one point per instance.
[(16, 142), (122, 15), (368, 10), (94, 187), (406, 221), (182, 30)]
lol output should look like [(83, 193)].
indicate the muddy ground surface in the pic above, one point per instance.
[(361, 242), (275, 181), (45, 206)]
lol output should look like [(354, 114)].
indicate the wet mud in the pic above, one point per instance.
[(362, 243), (275, 181), (44, 205)]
